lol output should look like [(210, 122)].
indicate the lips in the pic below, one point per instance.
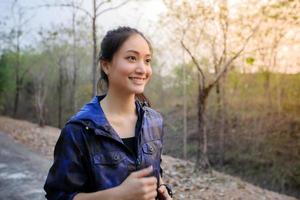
[(137, 80)]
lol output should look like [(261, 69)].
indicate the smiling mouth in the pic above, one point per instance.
[(137, 80)]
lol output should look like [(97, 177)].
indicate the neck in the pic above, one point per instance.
[(118, 103)]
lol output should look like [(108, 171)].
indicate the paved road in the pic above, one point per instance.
[(22, 172)]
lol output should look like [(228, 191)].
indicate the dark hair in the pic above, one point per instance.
[(111, 43)]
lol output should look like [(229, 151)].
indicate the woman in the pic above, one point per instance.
[(111, 148)]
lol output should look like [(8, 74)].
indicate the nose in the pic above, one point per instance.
[(141, 68)]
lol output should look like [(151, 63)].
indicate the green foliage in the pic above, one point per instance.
[(263, 117), (250, 60), (4, 76), (295, 178), (190, 80), (7, 68), (4, 72)]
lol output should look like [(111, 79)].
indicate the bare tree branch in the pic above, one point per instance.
[(214, 53), (229, 62), (100, 4), (225, 31), (112, 8), (195, 62), (63, 5)]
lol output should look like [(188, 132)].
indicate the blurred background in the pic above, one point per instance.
[(226, 75)]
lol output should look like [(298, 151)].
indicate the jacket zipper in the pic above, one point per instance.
[(138, 161)]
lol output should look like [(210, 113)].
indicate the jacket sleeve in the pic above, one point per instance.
[(66, 176)]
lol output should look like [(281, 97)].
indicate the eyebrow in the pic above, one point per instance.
[(130, 50)]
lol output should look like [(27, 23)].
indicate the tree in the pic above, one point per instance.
[(4, 74), (279, 20), (40, 90), (14, 39), (202, 25), (56, 44), (98, 8)]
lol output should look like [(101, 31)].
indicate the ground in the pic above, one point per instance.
[(22, 171), (35, 155)]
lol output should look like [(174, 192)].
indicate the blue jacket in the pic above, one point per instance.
[(90, 156)]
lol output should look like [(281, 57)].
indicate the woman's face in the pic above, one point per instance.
[(130, 69)]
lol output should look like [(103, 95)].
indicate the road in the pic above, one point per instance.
[(22, 171)]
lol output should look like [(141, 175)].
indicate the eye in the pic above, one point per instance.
[(148, 60), (131, 58)]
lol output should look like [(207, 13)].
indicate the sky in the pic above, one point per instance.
[(141, 14), (137, 13)]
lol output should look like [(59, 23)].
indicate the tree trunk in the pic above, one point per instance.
[(75, 66), (94, 29), (74, 85), (202, 160), (60, 91), (219, 124), (223, 127), (16, 101), (18, 81), (40, 96), (184, 115)]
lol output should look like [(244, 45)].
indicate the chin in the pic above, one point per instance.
[(137, 90)]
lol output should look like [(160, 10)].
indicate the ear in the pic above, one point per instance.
[(105, 66)]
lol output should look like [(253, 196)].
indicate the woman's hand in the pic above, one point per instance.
[(137, 186), (163, 192)]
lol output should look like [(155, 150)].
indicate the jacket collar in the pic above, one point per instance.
[(92, 116)]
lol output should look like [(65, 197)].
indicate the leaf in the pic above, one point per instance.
[(250, 60)]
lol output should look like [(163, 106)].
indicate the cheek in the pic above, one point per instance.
[(149, 71), (123, 69)]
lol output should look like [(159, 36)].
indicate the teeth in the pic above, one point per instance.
[(137, 78)]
